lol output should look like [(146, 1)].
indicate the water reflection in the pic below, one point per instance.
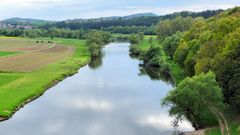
[(113, 100), (156, 74), (96, 62)]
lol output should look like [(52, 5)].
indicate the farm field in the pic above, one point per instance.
[(34, 56), (25, 75), (3, 54)]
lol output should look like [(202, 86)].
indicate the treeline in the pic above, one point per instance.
[(214, 45), (32, 33), (96, 40), (208, 51), (112, 24), (77, 28), (26, 22), (131, 29)]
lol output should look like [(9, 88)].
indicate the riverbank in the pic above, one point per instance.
[(20, 88), (142, 48), (178, 75)]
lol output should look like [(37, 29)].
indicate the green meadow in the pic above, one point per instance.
[(2, 54), (18, 88)]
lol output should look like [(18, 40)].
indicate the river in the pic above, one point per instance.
[(113, 98)]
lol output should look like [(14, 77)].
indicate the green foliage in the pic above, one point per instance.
[(211, 44), (95, 50), (148, 30), (98, 37), (233, 127), (191, 99), (181, 53), (157, 59), (128, 24), (227, 68), (33, 33), (153, 57), (95, 41), (150, 41), (136, 38), (171, 43), (169, 27)]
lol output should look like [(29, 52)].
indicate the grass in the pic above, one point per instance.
[(18, 88), (233, 127), (7, 53), (7, 78), (233, 123)]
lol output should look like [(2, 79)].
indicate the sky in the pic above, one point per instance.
[(71, 9)]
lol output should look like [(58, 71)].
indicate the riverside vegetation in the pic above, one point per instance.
[(202, 55), (199, 50), (19, 86)]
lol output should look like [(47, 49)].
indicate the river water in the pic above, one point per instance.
[(112, 96)]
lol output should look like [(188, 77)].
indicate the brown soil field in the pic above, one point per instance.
[(35, 58), (18, 45)]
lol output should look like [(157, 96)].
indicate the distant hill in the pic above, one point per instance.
[(25, 21), (141, 15), (142, 19)]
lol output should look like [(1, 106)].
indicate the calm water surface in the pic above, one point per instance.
[(113, 99)]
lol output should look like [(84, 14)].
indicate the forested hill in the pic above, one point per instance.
[(135, 20), (26, 21)]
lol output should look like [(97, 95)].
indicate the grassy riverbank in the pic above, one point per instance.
[(19, 88), (142, 48)]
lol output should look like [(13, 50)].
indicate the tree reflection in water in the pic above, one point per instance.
[(156, 74), (96, 62)]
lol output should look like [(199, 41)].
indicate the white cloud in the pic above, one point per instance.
[(54, 127), (68, 9), (88, 104), (163, 121)]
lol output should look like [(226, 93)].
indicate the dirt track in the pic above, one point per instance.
[(199, 132)]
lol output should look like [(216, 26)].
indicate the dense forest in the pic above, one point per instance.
[(126, 21), (208, 53)]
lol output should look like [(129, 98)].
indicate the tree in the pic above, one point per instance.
[(94, 50), (134, 39), (169, 27), (226, 65), (171, 43), (94, 38), (181, 54), (194, 98), (141, 36), (150, 41)]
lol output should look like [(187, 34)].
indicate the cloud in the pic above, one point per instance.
[(163, 121), (88, 104), (67, 9), (54, 127)]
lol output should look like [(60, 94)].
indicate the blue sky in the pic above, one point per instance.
[(70, 9)]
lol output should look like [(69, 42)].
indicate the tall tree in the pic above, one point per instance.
[(194, 98)]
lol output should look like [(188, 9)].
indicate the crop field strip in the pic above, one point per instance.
[(5, 54), (35, 59)]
